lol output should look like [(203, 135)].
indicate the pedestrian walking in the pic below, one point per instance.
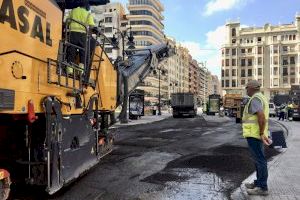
[(281, 112), (255, 130)]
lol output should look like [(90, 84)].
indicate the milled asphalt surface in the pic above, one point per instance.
[(190, 158)]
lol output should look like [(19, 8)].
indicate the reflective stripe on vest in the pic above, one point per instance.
[(250, 122)]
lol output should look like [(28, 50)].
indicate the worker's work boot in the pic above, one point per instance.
[(257, 191), (250, 185)]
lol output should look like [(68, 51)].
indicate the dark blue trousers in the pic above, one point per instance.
[(257, 153)]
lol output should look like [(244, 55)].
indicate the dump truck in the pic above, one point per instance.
[(231, 104), (54, 124), (183, 104)]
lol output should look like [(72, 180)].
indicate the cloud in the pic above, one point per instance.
[(214, 6), (209, 51), (216, 38)]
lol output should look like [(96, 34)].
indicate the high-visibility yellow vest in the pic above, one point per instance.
[(83, 16), (250, 121)]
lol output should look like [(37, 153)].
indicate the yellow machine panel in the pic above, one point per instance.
[(28, 27), (29, 36)]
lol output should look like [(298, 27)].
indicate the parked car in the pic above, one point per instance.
[(272, 110)]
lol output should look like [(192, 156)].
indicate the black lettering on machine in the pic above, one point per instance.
[(37, 30)]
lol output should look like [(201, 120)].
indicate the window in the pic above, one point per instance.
[(275, 49), (227, 62), (285, 61), (275, 60), (233, 32), (233, 41), (294, 37), (250, 50), (259, 50), (259, 39), (227, 72), (292, 60), (227, 52), (285, 71), (243, 51), (243, 62), (259, 71), (276, 82), (275, 71), (290, 37), (222, 83), (108, 30), (233, 52), (108, 50), (259, 61), (233, 83), (293, 81), (222, 52), (292, 71), (285, 49), (285, 80), (233, 62), (233, 72), (249, 62), (243, 73), (275, 38), (243, 82), (222, 63), (227, 83), (108, 19), (222, 72), (249, 72)]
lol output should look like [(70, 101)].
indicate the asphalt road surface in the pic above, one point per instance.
[(190, 158)]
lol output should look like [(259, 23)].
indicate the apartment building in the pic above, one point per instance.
[(111, 17), (216, 86), (145, 19), (202, 82), (269, 54), (193, 76)]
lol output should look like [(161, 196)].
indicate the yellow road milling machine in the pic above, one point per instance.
[(53, 123)]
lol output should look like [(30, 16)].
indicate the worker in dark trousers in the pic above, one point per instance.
[(78, 35)]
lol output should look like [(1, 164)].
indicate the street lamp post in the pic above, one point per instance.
[(160, 72), (159, 98)]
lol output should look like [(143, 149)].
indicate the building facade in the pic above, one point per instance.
[(111, 17), (202, 83), (216, 86), (145, 19), (269, 54), (193, 76)]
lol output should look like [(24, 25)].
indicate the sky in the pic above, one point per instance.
[(199, 24)]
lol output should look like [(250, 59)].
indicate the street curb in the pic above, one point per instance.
[(240, 193), (126, 125)]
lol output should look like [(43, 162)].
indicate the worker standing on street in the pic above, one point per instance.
[(290, 111), (255, 130), (78, 33)]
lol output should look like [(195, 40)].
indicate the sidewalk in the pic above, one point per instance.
[(144, 120), (284, 171)]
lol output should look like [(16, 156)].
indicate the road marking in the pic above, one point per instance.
[(170, 130)]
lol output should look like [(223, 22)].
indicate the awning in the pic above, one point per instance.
[(70, 4)]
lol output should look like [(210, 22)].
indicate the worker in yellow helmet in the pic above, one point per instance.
[(255, 130), (78, 34)]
